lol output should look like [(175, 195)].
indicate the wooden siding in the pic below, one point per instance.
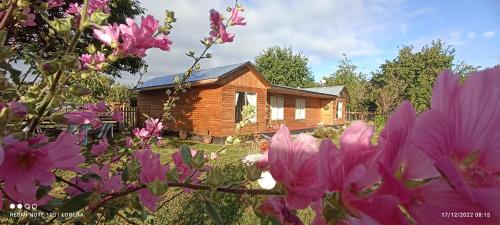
[(313, 112), (246, 81), (197, 111)]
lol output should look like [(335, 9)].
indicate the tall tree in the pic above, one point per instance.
[(415, 72), (354, 81), (282, 67), (463, 69), (39, 42)]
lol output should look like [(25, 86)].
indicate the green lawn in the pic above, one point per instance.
[(188, 209)]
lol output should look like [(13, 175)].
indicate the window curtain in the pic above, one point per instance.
[(281, 109), (252, 100), (239, 102)]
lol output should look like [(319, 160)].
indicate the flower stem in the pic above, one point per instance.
[(5, 18)]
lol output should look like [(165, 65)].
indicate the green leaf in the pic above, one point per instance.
[(212, 212), (86, 177), (42, 191), (157, 187), (186, 155), (3, 37), (61, 25), (125, 174), (76, 203), (198, 160), (98, 18)]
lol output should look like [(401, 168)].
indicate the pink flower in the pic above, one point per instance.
[(65, 152), (95, 5), (108, 34), (225, 36), (149, 25), (117, 116), (140, 133), (163, 43), (317, 207), (106, 184), (276, 207), (215, 18), (100, 148), (97, 108), (2, 155), (55, 3), (460, 134), (293, 164), (30, 18), (30, 163), (73, 9), (151, 170), (154, 126), (352, 167), (18, 108), (94, 61), (184, 171), (235, 18), (79, 118)]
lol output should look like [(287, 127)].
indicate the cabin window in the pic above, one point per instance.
[(277, 109), (339, 109), (242, 99), (300, 109)]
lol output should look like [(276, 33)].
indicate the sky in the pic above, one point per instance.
[(368, 32)]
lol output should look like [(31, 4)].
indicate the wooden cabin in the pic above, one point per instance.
[(216, 96)]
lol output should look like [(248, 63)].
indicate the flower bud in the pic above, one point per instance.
[(198, 160), (253, 173), (78, 90), (57, 117), (229, 139)]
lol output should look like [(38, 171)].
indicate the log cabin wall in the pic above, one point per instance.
[(312, 116), (246, 81), (198, 110)]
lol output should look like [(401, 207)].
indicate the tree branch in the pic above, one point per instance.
[(5, 18)]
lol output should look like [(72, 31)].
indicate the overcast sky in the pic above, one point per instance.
[(369, 32)]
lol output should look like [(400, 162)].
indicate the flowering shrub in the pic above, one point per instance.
[(440, 167)]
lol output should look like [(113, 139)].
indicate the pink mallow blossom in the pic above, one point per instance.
[(30, 18), (19, 109), (293, 164), (217, 27), (236, 19), (117, 115), (137, 39), (105, 184), (108, 34), (55, 3), (276, 207), (151, 170), (93, 61), (79, 118), (100, 148), (460, 134), (30, 163)]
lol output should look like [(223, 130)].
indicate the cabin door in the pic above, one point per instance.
[(326, 112)]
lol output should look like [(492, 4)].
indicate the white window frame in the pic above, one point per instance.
[(254, 118), (300, 109), (339, 110), (277, 108)]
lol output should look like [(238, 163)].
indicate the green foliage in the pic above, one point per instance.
[(98, 83), (355, 82), (119, 93), (281, 66), (326, 132), (39, 42), (414, 73)]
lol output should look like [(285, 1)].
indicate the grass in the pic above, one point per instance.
[(188, 208)]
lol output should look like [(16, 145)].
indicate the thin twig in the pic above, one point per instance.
[(3, 23), (70, 184), (126, 220)]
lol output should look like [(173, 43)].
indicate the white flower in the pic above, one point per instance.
[(266, 181)]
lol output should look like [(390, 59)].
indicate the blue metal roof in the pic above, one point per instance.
[(331, 90), (199, 75)]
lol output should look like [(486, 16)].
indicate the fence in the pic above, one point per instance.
[(129, 117), (365, 116)]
